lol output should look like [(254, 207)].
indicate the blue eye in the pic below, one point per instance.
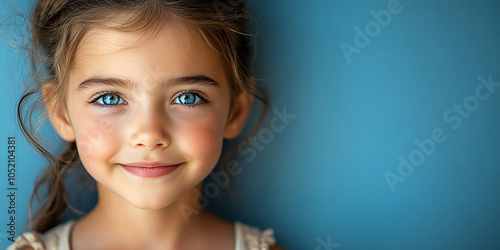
[(188, 98), (109, 99)]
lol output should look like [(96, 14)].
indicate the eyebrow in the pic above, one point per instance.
[(119, 82)]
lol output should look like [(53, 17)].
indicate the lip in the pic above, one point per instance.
[(150, 169)]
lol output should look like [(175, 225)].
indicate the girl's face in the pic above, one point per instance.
[(148, 118)]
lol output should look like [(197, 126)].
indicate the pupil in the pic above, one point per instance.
[(110, 99), (188, 98)]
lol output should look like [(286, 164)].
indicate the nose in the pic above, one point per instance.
[(148, 130)]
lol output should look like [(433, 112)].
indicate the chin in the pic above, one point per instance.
[(151, 205), (150, 202)]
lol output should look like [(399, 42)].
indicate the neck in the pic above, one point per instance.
[(168, 225)]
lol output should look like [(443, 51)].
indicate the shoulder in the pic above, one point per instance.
[(29, 240), (248, 237), (56, 238)]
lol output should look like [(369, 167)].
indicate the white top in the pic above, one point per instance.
[(246, 238)]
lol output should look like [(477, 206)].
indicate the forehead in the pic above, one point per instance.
[(172, 51)]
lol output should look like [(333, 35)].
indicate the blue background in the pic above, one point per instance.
[(323, 177)]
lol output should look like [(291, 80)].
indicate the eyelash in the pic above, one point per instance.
[(204, 99), (93, 100)]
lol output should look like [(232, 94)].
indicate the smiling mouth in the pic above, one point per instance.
[(149, 170)]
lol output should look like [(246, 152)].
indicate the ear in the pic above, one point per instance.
[(239, 114), (57, 112)]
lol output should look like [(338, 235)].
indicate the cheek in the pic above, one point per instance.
[(96, 138), (202, 140)]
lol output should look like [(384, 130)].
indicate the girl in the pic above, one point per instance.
[(143, 92)]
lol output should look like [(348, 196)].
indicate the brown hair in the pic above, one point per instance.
[(57, 28)]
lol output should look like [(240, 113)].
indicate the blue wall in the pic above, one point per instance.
[(392, 140), (27, 163)]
